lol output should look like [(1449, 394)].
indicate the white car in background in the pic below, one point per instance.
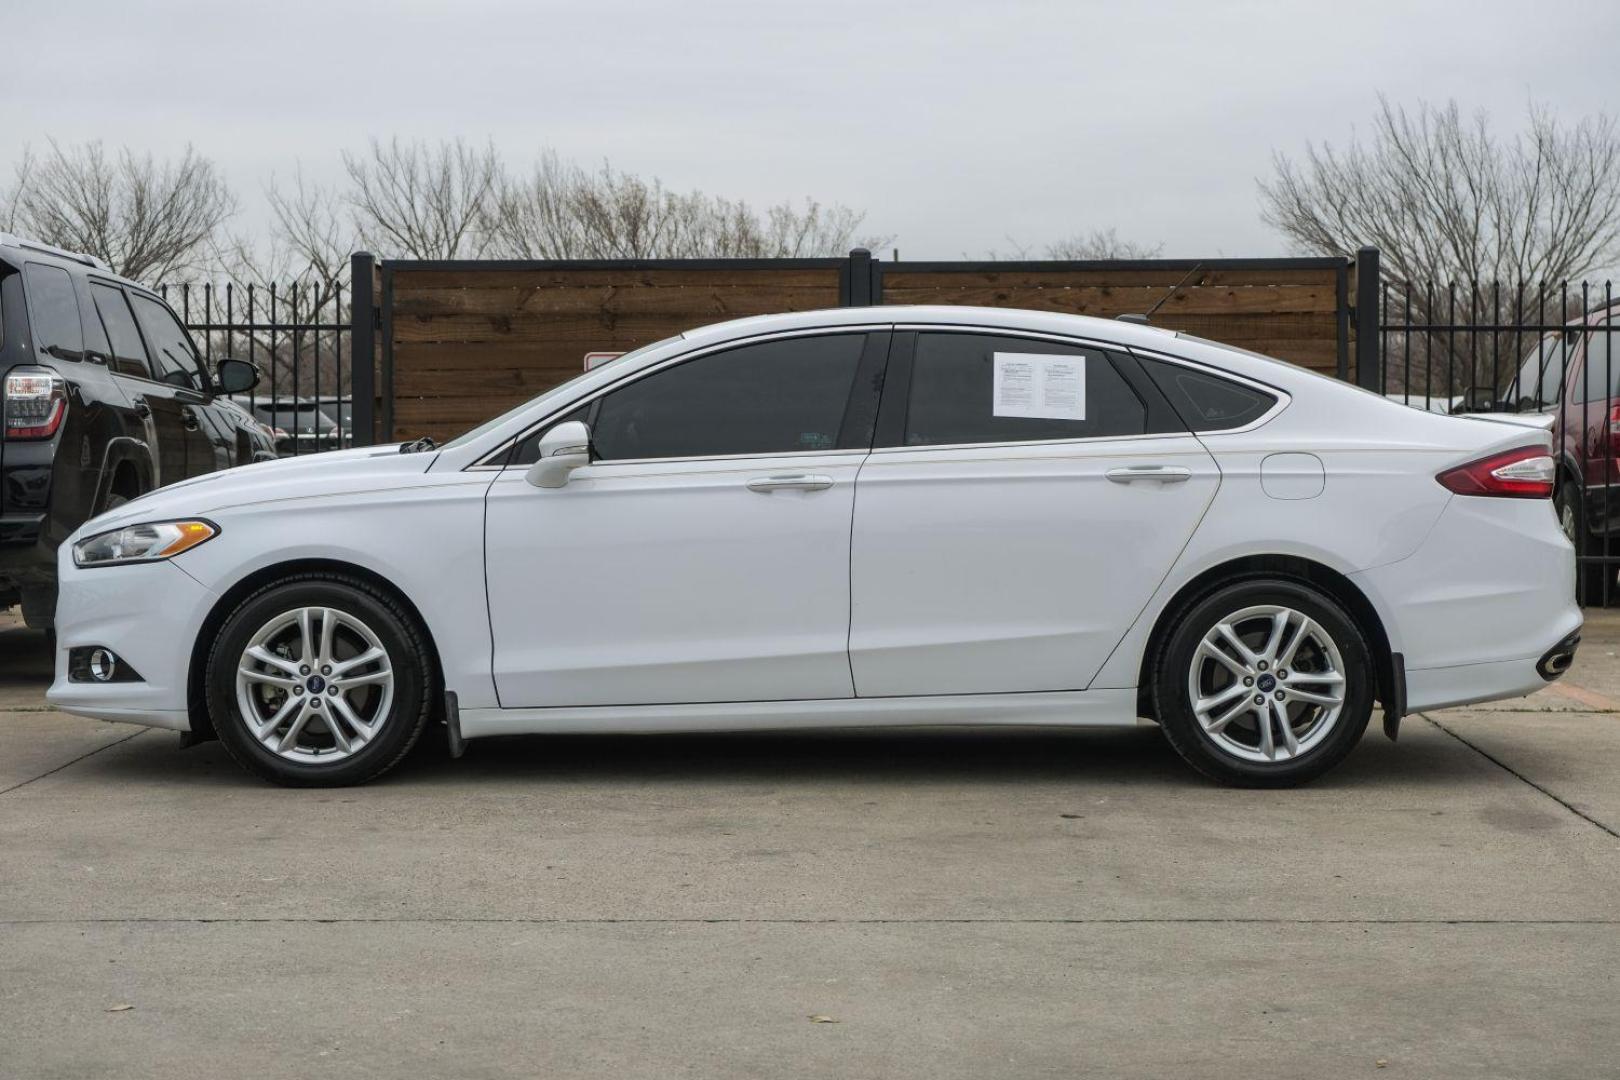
[(882, 516)]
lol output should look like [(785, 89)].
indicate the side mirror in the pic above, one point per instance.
[(236, 376), (562, 450)]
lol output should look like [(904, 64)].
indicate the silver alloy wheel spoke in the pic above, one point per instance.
[(315, 685), (1248, 694)]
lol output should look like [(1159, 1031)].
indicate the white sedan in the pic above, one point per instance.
[(881, 516)]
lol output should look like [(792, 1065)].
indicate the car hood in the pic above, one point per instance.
[(335, 472)]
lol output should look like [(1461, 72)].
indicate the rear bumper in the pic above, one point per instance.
[(1465, 684), (1487, 597)]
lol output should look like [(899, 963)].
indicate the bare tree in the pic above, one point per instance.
[(1444, 199), (561, 211), (1473, 230), (1101, 244), (147, 220), (1095, 245), (418, 201)]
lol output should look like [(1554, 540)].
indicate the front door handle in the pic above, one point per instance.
[(189, 419), (1156, 474), (142, 409), (791, 482)]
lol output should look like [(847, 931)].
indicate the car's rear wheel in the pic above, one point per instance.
[(320, 680), (1264, 683)]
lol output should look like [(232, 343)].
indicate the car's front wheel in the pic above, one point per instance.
[(320, 680), (1264, 683)]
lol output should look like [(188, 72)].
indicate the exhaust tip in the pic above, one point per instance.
[(1556, 660)]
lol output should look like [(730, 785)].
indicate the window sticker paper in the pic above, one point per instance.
[(1039, 386)]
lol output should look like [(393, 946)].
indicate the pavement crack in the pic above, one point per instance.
[(1517, 775), (75, 761)]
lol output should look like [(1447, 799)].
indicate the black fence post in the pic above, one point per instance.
[(1369, 372), (860, 278), (362, 347)]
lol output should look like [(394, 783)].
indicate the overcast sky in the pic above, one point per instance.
[(953, 124)]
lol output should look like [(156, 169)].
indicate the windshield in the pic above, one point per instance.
[(490, 425)]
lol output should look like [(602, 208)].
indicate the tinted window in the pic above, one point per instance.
[(1048, 391), (771, 398), (1207, 402), (174, 360), (55, 305), (1541, 376), (1599, 379), (128, 354)]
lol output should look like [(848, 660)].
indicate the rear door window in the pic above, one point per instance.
[(982, 388), (128, 352), (55, 307)]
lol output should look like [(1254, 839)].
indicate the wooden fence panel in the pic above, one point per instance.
[(469, 343), (462, 342), (1292, 314)]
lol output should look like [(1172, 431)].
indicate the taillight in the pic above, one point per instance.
[(1525, 473), (35, 402), (1614, 431)]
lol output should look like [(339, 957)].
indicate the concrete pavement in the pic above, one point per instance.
[(959, 905)]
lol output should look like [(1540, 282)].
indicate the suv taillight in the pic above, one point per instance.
[(1525, 473), (35, 400), (1614, 431)]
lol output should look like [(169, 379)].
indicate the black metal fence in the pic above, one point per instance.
[(299, 334), (1543, 349)]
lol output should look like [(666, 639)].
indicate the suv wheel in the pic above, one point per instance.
[(1264, 683), (319, 681)]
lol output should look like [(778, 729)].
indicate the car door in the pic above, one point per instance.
[(1023, 500), (183, 389), (154, 402), (703, 555)]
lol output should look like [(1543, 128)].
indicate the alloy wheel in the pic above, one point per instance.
[(1267, 684), (315, 685)]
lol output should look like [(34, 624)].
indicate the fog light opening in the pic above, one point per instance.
[(103, 665)]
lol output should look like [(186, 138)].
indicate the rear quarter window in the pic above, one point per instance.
[(55, 311), (1207, 402)]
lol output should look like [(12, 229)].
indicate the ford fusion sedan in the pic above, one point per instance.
[(896, 516)]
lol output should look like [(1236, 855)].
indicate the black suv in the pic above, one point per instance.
[(103, 397)]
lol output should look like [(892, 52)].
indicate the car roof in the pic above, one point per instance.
[(996, 318)]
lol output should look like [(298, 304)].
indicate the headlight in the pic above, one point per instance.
[(142, 543)]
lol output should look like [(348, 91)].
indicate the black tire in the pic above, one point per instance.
[(409, 657), (1173, 668), (1571, 511)]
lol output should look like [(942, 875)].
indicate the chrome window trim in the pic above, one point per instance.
[(483, 464)]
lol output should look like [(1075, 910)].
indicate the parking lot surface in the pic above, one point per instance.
[(956, 904)]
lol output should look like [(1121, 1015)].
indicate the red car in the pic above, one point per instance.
[(1575, 376)]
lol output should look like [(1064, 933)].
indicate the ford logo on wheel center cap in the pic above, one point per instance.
[(1267, 684), (316, 684)]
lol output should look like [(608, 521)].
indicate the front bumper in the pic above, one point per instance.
[(149, 614)]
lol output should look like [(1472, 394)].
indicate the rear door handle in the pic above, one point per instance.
[(142, 409), (791, 482), (189, 418), (1156, 474)]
